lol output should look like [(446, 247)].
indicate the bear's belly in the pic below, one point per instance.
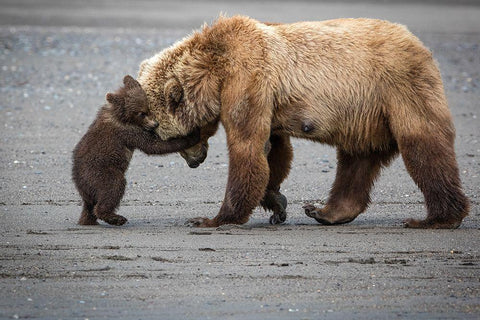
[(301, 121), (355, 134)]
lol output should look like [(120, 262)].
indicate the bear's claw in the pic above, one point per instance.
[(323, 218), (278, 218), (310, 210), (276, 202), (317, 214), (200, 222)]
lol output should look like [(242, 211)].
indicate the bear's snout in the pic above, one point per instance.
[(152, 125)]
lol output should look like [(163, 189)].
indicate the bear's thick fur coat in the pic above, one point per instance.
[(368, 87)]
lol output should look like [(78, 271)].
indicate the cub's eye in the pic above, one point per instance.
[(142, 114)]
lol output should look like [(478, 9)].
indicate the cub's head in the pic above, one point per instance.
[(130, 105)]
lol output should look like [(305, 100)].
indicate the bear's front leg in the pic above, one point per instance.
[(248, 176), (247, 180), (246, 113), (87, 217)]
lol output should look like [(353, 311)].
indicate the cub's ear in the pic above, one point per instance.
[(173, 94), (130, 82), (115, 99)]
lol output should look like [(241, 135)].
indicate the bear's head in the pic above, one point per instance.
[(183, 90), (130, 105)]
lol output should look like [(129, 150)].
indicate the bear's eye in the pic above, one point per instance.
[(142, 114)]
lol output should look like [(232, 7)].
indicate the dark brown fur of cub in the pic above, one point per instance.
[(102, 156)]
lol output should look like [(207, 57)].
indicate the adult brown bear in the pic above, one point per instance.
[(368, 87)]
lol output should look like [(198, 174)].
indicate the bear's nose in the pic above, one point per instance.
[(155, 124)]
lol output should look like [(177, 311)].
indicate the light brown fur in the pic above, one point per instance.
[(368, 87)]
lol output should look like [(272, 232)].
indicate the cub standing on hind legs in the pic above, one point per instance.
[(102, 156)]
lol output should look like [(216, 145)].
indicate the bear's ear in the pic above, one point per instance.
[(130, 82), (173, 94), (115, 99)]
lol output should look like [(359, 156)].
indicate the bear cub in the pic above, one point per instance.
[(102, 156)]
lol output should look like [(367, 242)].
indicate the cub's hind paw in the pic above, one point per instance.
[(87, 218), (430, 224), (88, 222), (115, 220)]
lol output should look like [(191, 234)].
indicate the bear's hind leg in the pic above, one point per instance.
[(108, 201), (105, 210), (279, 159), (350, 194), (87, 217), (422, 126), (431, 163)]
